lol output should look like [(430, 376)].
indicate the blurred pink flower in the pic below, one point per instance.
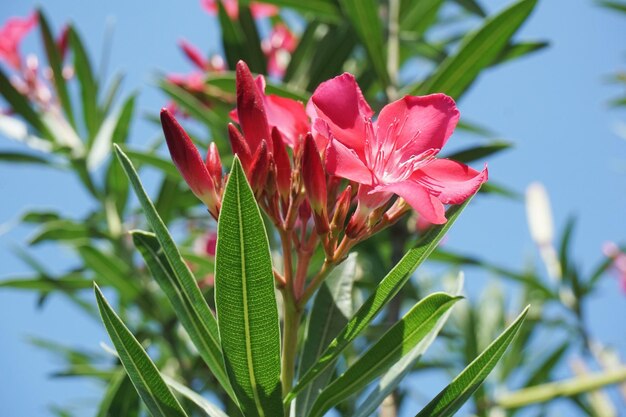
[(11, 34), (612, 251), (193, 81), (258, 10), (396, 153), (278, 48)]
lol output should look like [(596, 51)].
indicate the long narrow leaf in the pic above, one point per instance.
[(385, 291), (87, 81), (477, 51), (245, 301), (206, 338), (141, 370), (390, 380), (388, 350), (331, 310), (452, 397)]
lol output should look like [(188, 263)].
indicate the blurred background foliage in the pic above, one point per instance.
[(393, 48)]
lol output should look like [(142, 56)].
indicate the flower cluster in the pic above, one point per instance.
[(329, 173), (28, 77)]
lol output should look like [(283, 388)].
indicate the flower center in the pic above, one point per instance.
[(390, 160)]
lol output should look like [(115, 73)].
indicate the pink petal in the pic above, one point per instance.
[(288, 115), (11, 35), (427, 205), (260, 10), (427, 120), (343, 162), (341, 104), (452, 182)]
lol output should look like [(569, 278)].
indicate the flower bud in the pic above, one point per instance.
[(189, 162), (341, 210), (214, 164), (283, 166), (314, 179), (259, 168), (250, 108), (240, 147), (194, 55)]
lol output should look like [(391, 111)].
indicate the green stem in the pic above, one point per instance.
[(393, 49), (291, 323), (567, 388)]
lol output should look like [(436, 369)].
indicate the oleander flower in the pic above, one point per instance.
[(278, 48), (11, 35), (396, 153)]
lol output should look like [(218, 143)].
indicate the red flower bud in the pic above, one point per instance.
[(341, 210), (250, 109), (194, 55), (240, 147), (214, 164), (189, 162), (314, 179), (259, 168), (62, 40), (283, 166)]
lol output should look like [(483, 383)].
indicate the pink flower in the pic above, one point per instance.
[(612, 251), (395, 154), (258, 113), (11, 34), (258, 10), (187, 159), (278, 48)]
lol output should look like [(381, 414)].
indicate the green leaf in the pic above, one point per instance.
[(245, 301), (64, 230), (472, 6), (517, 50), (111, 270), (255, 56), (142, 372), (20, 105), (43, 284), (390, 380), (187, 301), (615, 5), (384, 292), (54, 59), (417, 16), (398, 341), (452, 397), (87, 82), (479, 152), (162, 164), (227, 83), (233, 38), (331, 310), (120, 399), (23, 158), (101, 145), (363, 14), (209, 408), (477, 51), (185, 282)]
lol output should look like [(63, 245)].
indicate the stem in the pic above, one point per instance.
[(291, 323), (316, 282), (393, 49), (567, 388)]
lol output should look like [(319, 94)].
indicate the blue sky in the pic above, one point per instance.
[(551, 105)]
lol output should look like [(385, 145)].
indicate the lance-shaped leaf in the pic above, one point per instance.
[(181, 287), (363, 15), (331, 310), (452, 397), (20, 105), (325, 10), (384, 292), (205, 405), (54, 59), (120, 399), (140, 369), (477, 51), (388, 350), (390, 380), (245, 301), (87, 81)]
